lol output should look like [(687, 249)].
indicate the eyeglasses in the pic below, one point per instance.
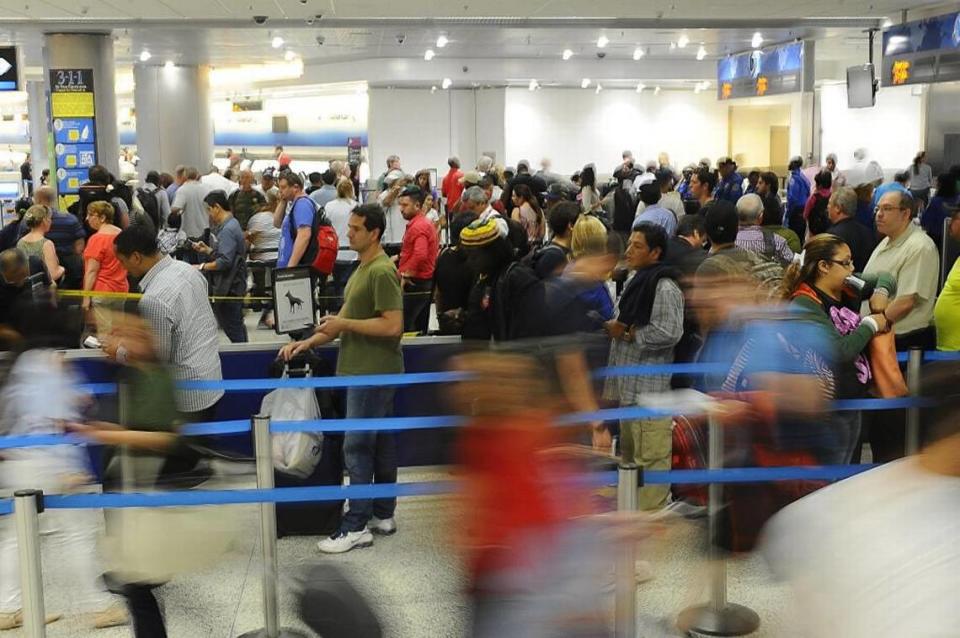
[(846, 263), (886, 210)]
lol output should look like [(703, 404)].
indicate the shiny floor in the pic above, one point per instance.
[(413, 580)]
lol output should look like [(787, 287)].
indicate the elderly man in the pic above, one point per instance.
[(842, 209), (756, 238), (475, 200), (907, 253), (246, 201), (394, 182)]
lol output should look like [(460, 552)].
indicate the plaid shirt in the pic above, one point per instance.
[(652, 345), (176, 305), (752, 238)]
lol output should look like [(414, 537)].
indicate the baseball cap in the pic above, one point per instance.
[(723, 161), (480, 234), (556, 191), (471, 177), (721, 222)]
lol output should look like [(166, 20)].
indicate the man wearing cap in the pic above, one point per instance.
[(653, 212), (451, 187), (475, 200), (798, 192), (418, 257), (488, 253), (730, 188), (394, 181), (721, 224)]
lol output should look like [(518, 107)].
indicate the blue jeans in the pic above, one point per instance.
[(370, 457)]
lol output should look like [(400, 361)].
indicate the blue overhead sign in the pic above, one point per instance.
[(923, 51), (775, 70)]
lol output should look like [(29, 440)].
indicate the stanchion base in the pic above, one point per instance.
[(285, 632), (731, 620)]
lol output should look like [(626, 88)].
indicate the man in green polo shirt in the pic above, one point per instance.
[(369, 325)]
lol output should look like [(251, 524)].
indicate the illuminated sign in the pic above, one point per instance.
[(785, 68), (923, 51)]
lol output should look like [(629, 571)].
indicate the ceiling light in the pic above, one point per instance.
[(442, 41), (638, 53), (656, 91), (567, 54), (252, 73), (277, 42), (534, 85), (641, 87), (683, 40), (428, 55), (701, 52), (447, 82), (757, 40), (894, 42), (289, 56), (599, 88), (602, 41), (696, 88), (433, 89), (887, 23), (168, 64), (584, 83), (144, 56), (673, 45)]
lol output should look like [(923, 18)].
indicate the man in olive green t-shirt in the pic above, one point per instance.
[(369, 325)]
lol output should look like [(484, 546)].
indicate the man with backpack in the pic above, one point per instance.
[(759, 239), (294, 218), (154, 200)]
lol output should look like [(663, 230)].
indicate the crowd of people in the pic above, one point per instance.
[(803, 291)]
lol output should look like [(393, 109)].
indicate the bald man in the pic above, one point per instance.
[(246, 201)]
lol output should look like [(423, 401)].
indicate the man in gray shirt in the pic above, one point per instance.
[(328, 192), (188, 204)]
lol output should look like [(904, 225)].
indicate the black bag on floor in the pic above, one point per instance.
[(331, 606), (313, 518)]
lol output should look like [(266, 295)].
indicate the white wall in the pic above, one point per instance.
[(426, 128), (891, 131), (574, 127)]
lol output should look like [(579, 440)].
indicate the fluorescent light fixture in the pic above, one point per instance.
[(683, 40), (757, 40), (894, 42), (277, 42), (656, 90), (442, 41), (887, 23), (638, 53), (584, 83), (168, 64), (701, 52), (641, 87), (289, 56), (446, 84), (567, 54), (534, 85), (145, 55), (252, 73), (428, 55), (602, 41), (599, 88)]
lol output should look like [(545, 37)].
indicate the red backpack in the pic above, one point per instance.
[(324, 244)]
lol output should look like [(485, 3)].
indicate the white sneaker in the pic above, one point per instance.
[(342, 541), (382, 527)]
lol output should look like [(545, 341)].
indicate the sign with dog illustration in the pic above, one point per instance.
[(294, 306)]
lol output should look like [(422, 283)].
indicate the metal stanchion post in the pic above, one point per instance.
[(626, 593), (27, 504), (268, 535), (719, 617), (913, 413)]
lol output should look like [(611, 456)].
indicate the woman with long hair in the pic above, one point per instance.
[(526, 210), (818, 289), (590, 201), (921, 178)]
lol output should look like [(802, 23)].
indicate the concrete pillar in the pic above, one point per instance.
[(174, 125), (40, 138)]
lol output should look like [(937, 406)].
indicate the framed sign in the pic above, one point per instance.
[(294, 306), (922, 51), (785, 68)]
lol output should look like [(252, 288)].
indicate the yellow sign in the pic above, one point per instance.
[(71, 104), (901, 71), (761, 85), (66, 201)]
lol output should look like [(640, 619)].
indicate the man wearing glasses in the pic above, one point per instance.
[(907, 253)]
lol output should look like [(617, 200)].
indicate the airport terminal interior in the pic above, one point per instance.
[(479, 319)]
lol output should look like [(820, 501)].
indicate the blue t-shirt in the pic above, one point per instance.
[(660, 216), (300, 215)]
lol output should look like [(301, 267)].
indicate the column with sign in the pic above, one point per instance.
[(74, 130)]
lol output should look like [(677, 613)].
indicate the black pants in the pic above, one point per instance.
[(229, 316), (145, 613), (797, 223), (887, 428), (416, 304)]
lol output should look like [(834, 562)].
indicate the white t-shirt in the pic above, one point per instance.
[(873, 556), (266, 243), (217, 181), (338, 212), (189, 199), (396, 224)]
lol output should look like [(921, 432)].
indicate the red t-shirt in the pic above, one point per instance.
[(418, 253), (111, 277), (451, 188)]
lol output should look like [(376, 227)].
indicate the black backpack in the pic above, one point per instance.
[(518, 303), (148, 200), (819, 220)]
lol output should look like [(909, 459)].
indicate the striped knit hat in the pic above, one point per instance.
[(480, 233)]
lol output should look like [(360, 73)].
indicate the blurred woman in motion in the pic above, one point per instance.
[(816, 285), (40, 394)]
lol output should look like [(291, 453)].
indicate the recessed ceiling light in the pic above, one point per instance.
[(757, 40), (683, 40), (641, 87), (599, 88), (446, 84), (887, 23), (638, 53), (697, 88), (584, 83), (673, 45), (534, 85), (168, 64), (442, 41), (567, 54), (277, 42), (289, 56), (701, 52), (144, 56), (602, 41), (428, 55), (656, 91), (433, 89)]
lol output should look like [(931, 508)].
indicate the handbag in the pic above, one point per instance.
[(888, 381)]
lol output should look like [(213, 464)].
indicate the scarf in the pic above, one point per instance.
[(636, 302)]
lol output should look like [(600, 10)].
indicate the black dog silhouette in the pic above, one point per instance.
[(294, 301)]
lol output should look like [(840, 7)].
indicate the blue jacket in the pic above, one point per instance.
[(798, 191), (730, 189)]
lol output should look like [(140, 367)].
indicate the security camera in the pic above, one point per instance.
[(303, 1), (466, 69), (401, 38), (260, 19), (310, 22), (320, 40), (601, 54)]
